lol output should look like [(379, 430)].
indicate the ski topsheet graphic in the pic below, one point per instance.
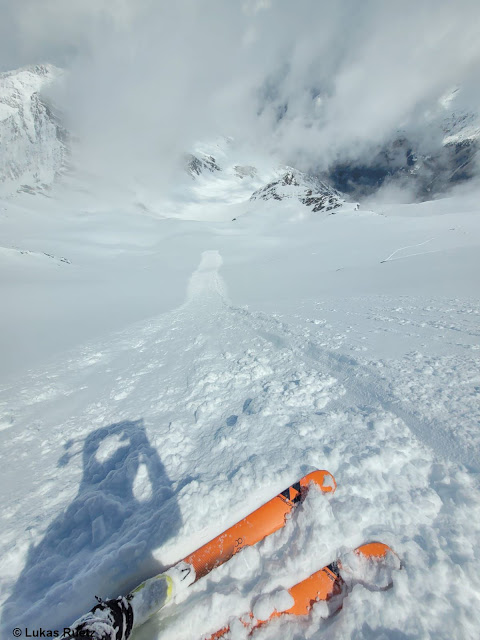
[(115, 619), (372, 563)]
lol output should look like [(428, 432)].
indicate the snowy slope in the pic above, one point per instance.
[(32, 140), (261, 348)]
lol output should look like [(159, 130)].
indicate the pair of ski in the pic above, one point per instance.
[(116, 619)]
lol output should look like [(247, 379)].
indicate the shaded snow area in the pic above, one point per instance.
[(173, 374)]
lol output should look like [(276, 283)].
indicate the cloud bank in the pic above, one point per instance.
[(310, 82)]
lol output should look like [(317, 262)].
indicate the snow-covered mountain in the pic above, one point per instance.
[(308, 190), (215, 168), (32, 140), (34, 151), (452, 136), (245, 171), (197, 164)]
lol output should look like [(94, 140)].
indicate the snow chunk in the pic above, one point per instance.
[(372, 572), (266, 605)]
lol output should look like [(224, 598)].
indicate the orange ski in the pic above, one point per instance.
[(155, 593), (258, 525), (322, 585)]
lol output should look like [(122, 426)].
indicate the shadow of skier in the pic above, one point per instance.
[(102, 543)]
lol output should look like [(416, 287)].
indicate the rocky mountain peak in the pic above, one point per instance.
[(309, 190), (195, 165), (32, 141)]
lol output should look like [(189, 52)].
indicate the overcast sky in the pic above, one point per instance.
[(309, 81)]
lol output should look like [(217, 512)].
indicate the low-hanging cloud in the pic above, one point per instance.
[(310, 82)]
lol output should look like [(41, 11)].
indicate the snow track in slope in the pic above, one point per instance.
[(364, 386), (206, 281)]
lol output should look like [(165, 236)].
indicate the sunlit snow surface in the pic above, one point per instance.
[(260, 348)]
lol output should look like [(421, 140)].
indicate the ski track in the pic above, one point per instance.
[(367, 388), (181, 425)]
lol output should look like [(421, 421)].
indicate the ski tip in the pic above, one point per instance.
[(323, 479), (372, 564), (377, 550), (381, 553)]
